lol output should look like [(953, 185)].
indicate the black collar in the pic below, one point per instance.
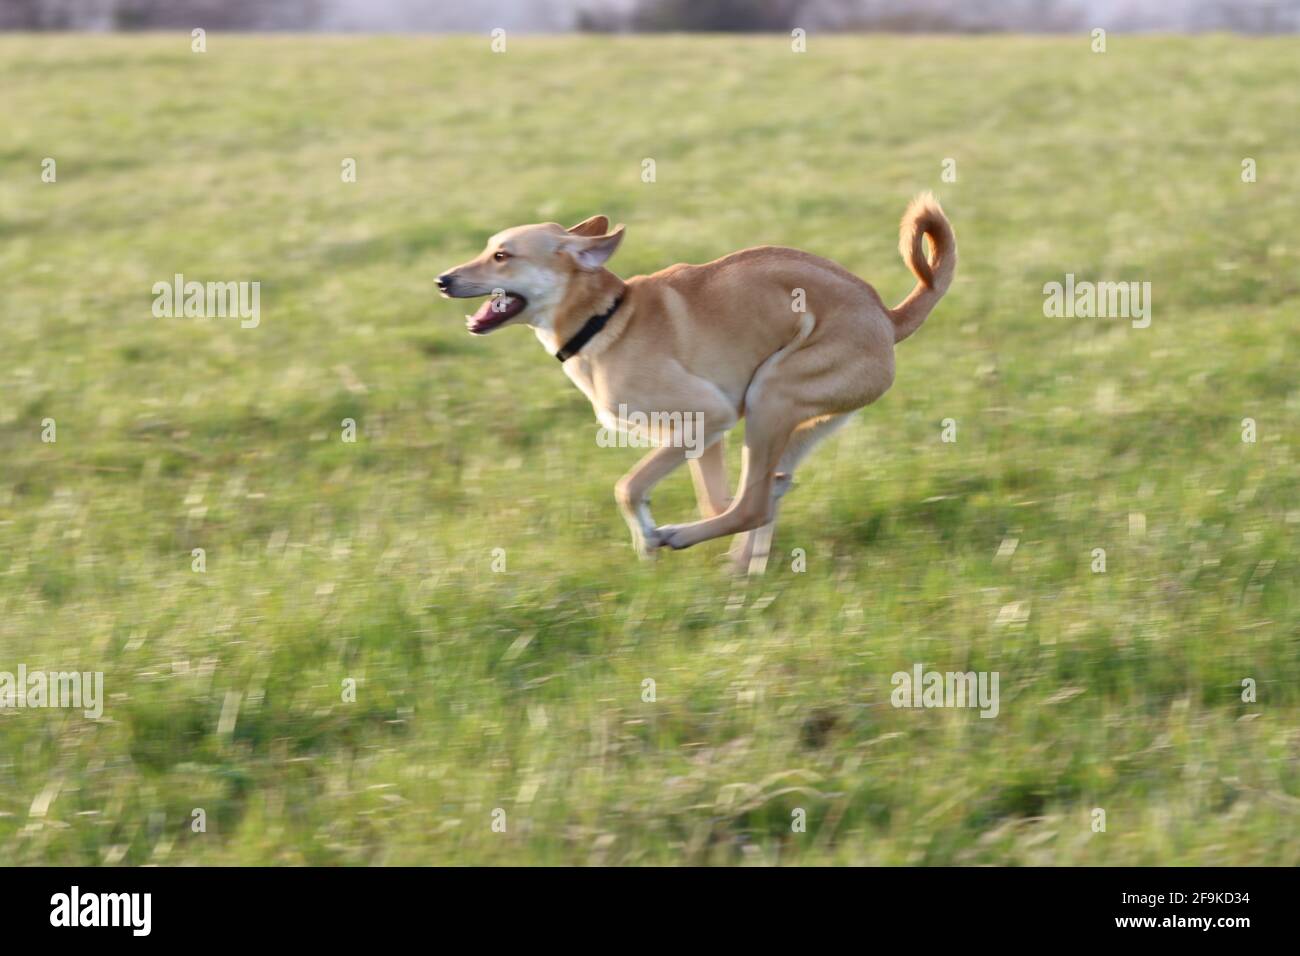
[(589, 329)]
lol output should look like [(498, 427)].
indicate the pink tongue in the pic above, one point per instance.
[(485, 312), (495, 311)]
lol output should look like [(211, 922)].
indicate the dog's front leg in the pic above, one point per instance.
[(709, 472), (633, 490)]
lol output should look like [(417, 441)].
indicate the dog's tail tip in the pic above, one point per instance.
[(925, 197), (924, 217)]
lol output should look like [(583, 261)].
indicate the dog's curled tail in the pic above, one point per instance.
[(924, 219)]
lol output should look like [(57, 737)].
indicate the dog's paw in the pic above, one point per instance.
[(671, 536), (647, 545)]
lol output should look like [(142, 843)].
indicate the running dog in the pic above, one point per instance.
[(791, 342)]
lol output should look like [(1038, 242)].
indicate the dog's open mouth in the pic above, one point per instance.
[(496, 311)]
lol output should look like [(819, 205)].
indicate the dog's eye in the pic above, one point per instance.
[(500, 255)]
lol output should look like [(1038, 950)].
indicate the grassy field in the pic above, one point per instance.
[(522, 690)]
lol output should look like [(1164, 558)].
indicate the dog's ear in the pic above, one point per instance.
[(595, 226), (592, 252)]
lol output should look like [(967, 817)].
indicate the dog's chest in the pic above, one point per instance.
[(579, 373)]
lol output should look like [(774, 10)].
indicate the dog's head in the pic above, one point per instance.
[(528, 270)]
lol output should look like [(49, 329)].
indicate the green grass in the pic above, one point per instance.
[(522, 690)]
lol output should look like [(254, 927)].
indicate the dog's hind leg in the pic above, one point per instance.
[(772, 412), (749, 551), (767, 430)]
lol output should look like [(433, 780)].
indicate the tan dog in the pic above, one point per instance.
[(789, 341)]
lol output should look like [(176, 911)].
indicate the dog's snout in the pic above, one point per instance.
[(444, 281)]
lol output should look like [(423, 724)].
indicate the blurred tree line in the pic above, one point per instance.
[(937, 16), (932, 16), (159, 14)]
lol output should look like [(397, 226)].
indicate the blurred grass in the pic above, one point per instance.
[(522, 690)]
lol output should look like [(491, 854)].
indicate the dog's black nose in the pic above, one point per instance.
[(444, 282)]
